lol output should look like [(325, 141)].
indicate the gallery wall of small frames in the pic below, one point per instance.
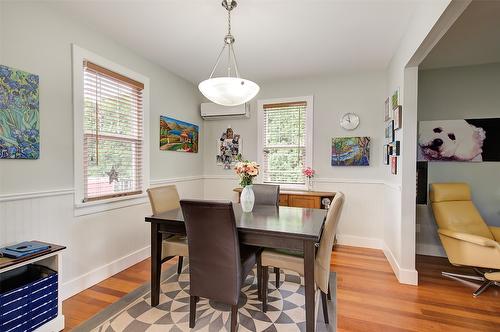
[(393, 121)]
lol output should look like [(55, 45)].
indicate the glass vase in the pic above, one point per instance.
[(310, 184), (247, 199)]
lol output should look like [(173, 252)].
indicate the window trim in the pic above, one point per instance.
[(309, 129), (80, 208)]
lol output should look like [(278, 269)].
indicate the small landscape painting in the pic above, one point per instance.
[(351, 151), (19, 114), (176, 135)]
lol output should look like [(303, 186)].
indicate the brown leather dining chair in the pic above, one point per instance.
[(164, 199), (294, 261), (266, 194), (218, 264)]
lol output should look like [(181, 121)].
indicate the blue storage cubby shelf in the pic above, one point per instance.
[(28, 298)]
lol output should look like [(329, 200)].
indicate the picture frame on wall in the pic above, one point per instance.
[(394, 148), (387, 110), (389, 131), (394, 165), (395, 99), (397, 117), (386, 154)]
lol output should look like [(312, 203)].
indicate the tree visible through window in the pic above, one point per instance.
[(284, 142), (113, 134)]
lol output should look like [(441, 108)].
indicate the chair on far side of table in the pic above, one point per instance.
[(266, 194), (164, 199)]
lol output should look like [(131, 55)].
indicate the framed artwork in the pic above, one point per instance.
[(394, 165), (395, 99), (397, 114), (176, 135), (19, 114), (350, 151), (386, 154), (470, 140), (389, 131), (387, 110), (394, 148), (228, 149)]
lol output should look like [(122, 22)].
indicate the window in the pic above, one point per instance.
[(285, 130), (110, 145)]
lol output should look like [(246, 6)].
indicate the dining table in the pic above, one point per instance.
[(274, 227)]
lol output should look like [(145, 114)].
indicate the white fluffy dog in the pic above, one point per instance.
[(450, 140)]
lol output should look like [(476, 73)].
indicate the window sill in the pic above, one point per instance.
[(82, 209)]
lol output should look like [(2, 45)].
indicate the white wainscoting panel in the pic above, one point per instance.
[(98, 245)]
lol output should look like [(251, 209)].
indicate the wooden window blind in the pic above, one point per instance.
[(113, 134), (284, 142)]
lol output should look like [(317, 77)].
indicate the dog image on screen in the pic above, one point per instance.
[(450, 140)]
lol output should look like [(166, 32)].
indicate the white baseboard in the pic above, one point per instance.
[(97, 275), (405, 276), (359, 241)]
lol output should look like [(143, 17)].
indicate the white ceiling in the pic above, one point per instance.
[(472, 40), (275, 39)]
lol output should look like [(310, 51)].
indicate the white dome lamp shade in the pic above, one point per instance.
[(229, 90)]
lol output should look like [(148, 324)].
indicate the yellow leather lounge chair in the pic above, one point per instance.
[(466, 238)]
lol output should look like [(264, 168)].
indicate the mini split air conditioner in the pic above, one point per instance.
[(211, 111)]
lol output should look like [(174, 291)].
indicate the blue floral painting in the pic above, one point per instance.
[(19, 114)]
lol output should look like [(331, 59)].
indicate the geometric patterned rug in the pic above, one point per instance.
[(285, 312)]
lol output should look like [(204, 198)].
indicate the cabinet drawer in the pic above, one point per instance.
[(304, 201), (283, 200)]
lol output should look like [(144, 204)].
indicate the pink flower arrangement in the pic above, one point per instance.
[(246, 170), (308, 172)]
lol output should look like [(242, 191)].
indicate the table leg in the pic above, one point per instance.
[(309, 251), (156, 238)]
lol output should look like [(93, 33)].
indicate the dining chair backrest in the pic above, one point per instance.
[(163, 198), (324, 254), (266, 194), (214, 250)]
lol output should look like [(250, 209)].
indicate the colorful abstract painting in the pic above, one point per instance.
[(19, 114), (351, 151), (176, 135)]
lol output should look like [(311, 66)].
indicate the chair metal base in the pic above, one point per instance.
[(478, 277)]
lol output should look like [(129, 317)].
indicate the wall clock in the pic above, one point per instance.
[(349, 121)]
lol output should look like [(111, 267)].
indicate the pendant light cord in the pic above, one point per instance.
[(228, 42)]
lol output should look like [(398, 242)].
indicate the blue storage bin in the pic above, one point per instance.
[(28, 298)]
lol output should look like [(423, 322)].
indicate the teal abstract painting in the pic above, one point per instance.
[(19, 114)]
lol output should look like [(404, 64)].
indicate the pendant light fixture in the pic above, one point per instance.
[(231, 90)]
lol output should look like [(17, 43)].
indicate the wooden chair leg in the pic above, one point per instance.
[(234, 318), (265, 280), (179, 265), (325, 308), (259, 278), (192, 311), (329, 295), (277, 272)]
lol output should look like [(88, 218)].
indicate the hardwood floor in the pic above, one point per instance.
[(369, 297)]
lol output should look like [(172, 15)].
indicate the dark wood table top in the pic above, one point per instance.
[(6, 262), (303, 223)]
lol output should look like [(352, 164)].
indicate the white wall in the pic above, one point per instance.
[(36, 196), (460, 93), (399, 208), (361, 223)]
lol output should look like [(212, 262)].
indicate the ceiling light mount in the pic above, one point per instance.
[(229, 90)]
